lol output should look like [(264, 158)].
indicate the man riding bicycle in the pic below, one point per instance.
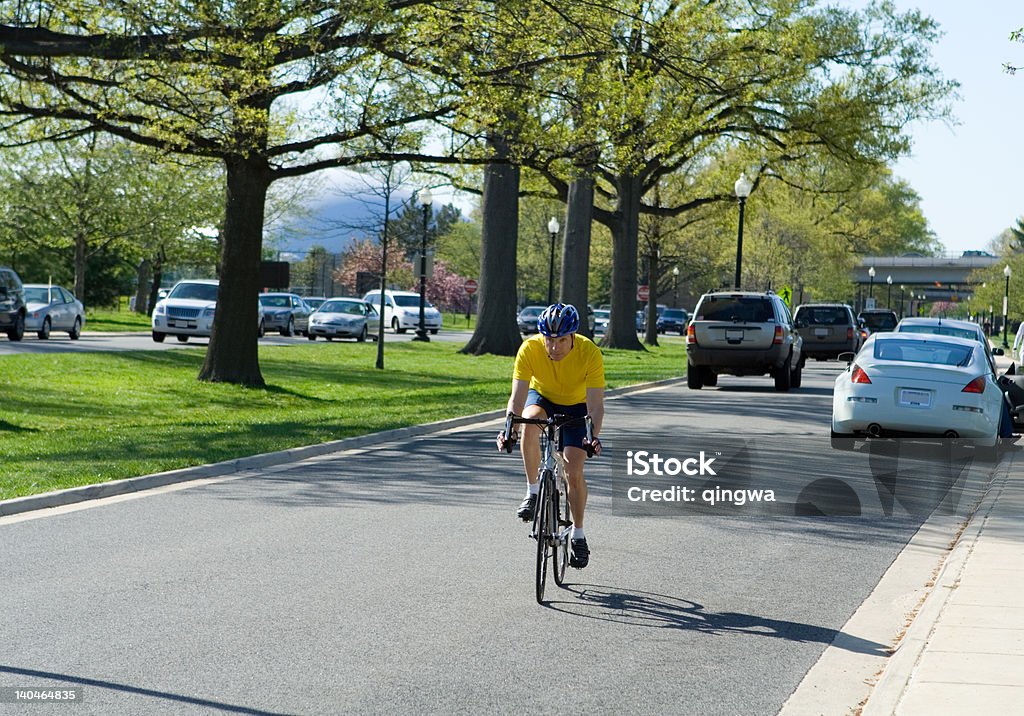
[(559, 372)]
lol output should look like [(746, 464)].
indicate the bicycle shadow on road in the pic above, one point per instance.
[(660, 611)]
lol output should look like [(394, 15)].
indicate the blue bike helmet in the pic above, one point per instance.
[(559, 319)]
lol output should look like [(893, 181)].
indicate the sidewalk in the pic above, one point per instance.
[(964, 651)]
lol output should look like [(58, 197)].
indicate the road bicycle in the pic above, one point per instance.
[(552, 521)]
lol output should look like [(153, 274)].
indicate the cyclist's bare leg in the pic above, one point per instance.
[(574, 459), (529, 446)]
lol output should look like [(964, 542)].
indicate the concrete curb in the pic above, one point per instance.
[(887, 693), (73, 495)]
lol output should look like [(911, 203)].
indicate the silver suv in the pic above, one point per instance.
[(743, 333)]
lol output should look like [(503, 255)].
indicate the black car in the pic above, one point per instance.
[(12, 304), (879, 320)]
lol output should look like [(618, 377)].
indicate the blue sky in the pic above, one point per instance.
[(969, 176)]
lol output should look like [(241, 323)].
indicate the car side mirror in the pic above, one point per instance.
[(847, 357), (998, 352)]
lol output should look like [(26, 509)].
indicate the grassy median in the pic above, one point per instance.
[(81, 418)]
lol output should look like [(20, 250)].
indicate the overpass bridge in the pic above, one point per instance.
[(920, 279)]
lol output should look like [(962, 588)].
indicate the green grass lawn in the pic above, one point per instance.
[(77, 419), (108, 319)]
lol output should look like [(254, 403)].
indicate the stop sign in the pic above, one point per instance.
[(643, 292), (470, 285)]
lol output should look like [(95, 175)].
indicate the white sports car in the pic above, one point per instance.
[(908, 384)]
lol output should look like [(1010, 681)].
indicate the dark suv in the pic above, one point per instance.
[(828, 329), (673, 319), (12, 304), (879, 320), (743, 333)]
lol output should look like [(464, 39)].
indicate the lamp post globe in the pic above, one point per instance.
[(426, 200), (675, 287), (742, 188), (871, 282), (553, 227), (888, 295)]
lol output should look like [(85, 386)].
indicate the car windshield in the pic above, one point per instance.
[(352, 308), (940, 331), (602, 314), (673, 313), (195, 291), (275, 301), (823, 316), (932, 352), (879, 321), (530, 312), (410, 301), (40, 295), (749, 309)]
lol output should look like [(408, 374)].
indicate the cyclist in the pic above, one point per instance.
[(559, 372)]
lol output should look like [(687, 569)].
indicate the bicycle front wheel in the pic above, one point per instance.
[(545, 517)]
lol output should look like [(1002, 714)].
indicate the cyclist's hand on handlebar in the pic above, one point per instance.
[(592, 446), (507, 438)]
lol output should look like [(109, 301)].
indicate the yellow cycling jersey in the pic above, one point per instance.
[(563, 382)]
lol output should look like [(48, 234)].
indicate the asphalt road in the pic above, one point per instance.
[(96, 341), (396, 580)]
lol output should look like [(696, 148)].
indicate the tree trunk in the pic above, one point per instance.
[(651, 327), (233, 355), (142, 290), (80, 248), (625, 228), (575, 277), (496, 330), (158, 276)]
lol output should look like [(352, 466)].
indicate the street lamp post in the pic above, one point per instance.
[(426, 200), (903, 292), (675, 286), (1006, 303), (888, 295), (991, 319), (553, 231), (742, 188), (871, 282)]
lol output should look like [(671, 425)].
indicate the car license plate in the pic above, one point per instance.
[(821, 332), (733, 335), (915, 398)]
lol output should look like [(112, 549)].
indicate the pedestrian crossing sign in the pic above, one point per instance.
[(786, 293)]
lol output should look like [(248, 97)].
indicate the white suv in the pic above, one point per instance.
[(188, 311), (402, 311)]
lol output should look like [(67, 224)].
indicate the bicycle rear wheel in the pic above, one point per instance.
[(562, 521), (543, 532)]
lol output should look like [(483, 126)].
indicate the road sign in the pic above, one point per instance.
[(470, 285), (786, 293), (643, 292)]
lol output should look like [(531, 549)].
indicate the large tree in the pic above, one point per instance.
[(225, 82)]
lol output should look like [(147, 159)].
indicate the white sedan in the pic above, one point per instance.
[(908, 384), (52, 308)]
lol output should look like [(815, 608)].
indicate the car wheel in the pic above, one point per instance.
[(158, 337), (310, 336), (710, 377), (433, 332), (694, 377), (290, 328), (362, 335), (784, 375), (260, 331), (396, 327), (44, 332), (17, 332), (796, 377), (182, 339), (76, 330)]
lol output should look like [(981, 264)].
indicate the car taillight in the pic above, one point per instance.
[(975, 386), (858, 375), (778, 336), (691, 336), (849, 334)]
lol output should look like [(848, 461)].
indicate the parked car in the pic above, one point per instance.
[(402, 311), (828, 329), (286, 313), (601, 318), (673, 319), (743, 333), (314, 302), (188, 311), (527, 319), (879, 320), (910, 384), (53, 308), (344, 318), (12, 304)]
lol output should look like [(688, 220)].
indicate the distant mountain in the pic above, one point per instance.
[(333, 223)]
